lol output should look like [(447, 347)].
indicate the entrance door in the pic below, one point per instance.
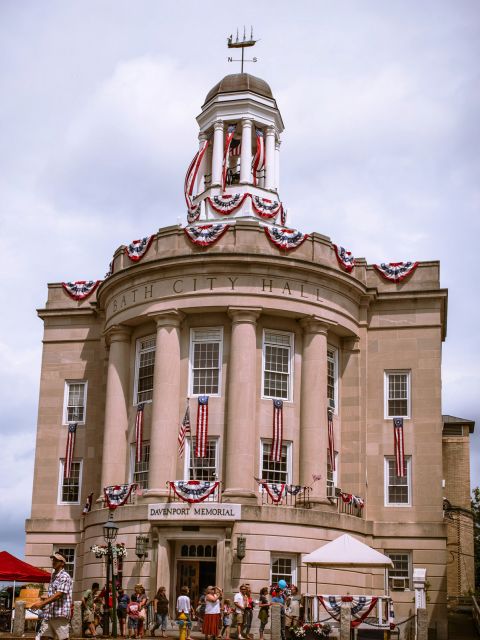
[(197, 575)]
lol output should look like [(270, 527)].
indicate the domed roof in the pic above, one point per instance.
[(240, 82)]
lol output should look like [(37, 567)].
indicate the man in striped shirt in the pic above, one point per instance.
[(58, 604)]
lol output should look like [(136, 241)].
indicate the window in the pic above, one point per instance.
[(275, 471), (398, 490), (331, 476), (332, 373), (69, 488), (69, 554), (140, 469), (75, 401), (283, 568), (399, 575), (277, 364), (205, 361), (201, 468), (397, 394), (144, 367)]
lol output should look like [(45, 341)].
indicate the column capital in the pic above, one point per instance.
[(168, 318), (202, 136), (313, 324), (218, 124), (244, 315), (118, 333), (247, 121), (270, 130)]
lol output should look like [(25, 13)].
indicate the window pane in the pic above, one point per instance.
[(146, 366), (401, 565), (140, 473), (276, 374), (69, 554), (205, 365), (76, 402), (397, 394), (274, 471), (282, 569), (205, 468), (71, 486), (331, 377), (398, 492)]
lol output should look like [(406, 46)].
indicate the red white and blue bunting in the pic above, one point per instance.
[(399, 447), (190, 179), (396, 271), (349, 498), (139, 432), (293, 489), (277, 431), (227, 204), (71, 436), (117, 495), (202, 427), (286, 239), (193, 490), (138, 248), (331, 440), (80, 289), (275, 490), (258, 162), (283, 216), (265, 208), (360, 607), (345, 258), (205, 234)]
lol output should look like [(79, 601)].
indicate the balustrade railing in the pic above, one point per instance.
[(285, 495), (348, 503)]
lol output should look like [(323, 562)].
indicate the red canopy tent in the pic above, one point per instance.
[(14, 570)]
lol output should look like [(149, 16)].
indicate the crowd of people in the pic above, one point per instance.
[(216, 616)]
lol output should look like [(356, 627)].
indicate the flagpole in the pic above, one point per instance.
[(192, 449)]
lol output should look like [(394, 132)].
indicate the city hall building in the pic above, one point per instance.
[(293, 358)]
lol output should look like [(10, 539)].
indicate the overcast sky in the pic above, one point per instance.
[(97, 126)]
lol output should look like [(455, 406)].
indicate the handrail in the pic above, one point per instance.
[(476, 613)]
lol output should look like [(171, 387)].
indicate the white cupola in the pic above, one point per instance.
[(236, 170)]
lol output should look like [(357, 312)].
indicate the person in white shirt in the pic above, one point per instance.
[(240, 602), (184, 606)]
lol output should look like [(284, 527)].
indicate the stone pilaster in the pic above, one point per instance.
[(313, 408), (165, 405), (240, 445), (115, 431)]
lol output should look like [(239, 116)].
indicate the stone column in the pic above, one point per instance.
[(202, 168), (270, 158), (345, 620), (165, 403), (114, 458), (246, 155), (217, 153), (313, 407), (240, 447), (277, 165), (19, 620), (77, 621)]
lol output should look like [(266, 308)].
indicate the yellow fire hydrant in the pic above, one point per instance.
[(183, 622)]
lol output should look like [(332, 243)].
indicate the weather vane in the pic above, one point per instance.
[(241, 44)]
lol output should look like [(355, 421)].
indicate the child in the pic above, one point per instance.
[(184, 606), (227, 612), (123, 601), (133, 611)]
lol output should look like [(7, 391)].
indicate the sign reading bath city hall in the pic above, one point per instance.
[(196, 511), (180, 286)]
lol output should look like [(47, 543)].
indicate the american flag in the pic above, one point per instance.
[(192, 172), (235, 147), (228, 142), (331, 439), (202, 427), (399, 447), (88, 504), (259, 159), (184, 431), (67, 467), (277, 435), (139, 432)]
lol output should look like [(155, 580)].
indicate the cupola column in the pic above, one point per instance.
[(240, 445), (270, 158), (202, 168), (246, 155), (313, 407), (217, 155), (114, 458), (165, 405), (277, 165)]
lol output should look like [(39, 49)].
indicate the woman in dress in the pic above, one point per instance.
[(211, 622)]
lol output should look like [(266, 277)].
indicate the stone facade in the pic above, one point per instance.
[(348, 341)]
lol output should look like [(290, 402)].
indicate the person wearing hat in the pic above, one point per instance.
[(58, 603)]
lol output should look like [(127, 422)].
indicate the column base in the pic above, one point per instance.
[(243, 496)]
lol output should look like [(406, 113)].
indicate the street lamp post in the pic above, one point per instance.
[(110, 530)]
